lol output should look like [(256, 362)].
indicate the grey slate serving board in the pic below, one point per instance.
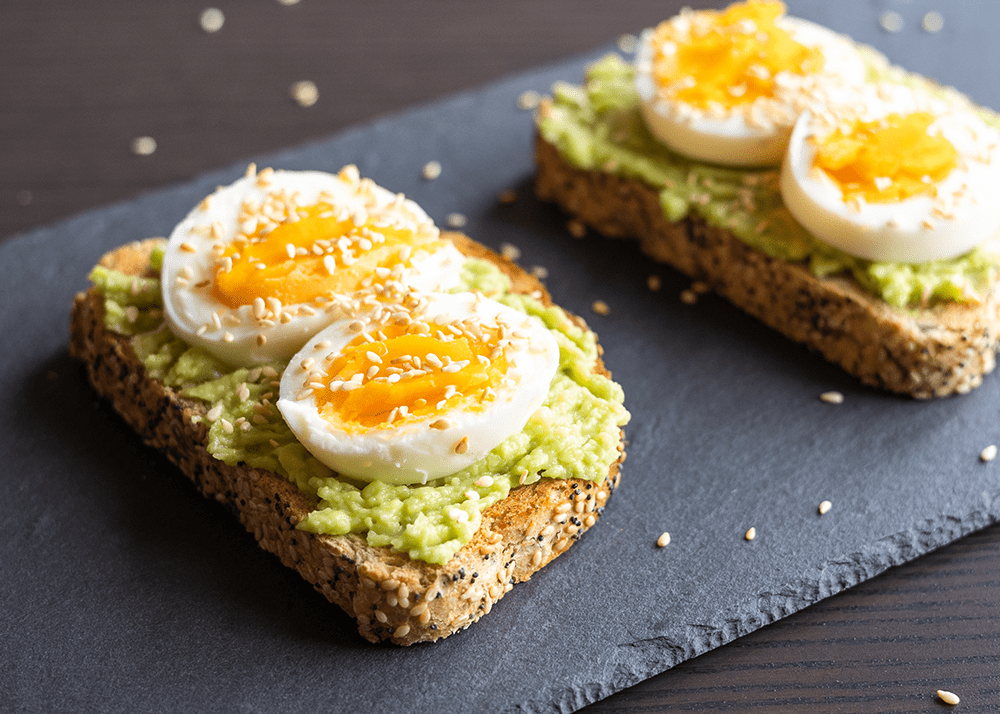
[(123, 590)]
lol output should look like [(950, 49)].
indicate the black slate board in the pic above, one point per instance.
[(124, 590)]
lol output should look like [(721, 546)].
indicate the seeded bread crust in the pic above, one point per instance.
[(932, 352), (392, 597)]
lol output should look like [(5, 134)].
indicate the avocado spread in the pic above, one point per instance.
[(599, 127), (575, 434)]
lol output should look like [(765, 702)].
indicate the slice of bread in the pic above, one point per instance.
[(391, 596), (925, 352)]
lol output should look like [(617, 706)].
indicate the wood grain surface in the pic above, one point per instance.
[(81, 79)]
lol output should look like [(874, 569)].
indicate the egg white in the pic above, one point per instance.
[(917, 229), (412, 451), (750, 134), (234, 336)]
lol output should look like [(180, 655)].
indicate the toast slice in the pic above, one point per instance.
[(392, 597), (923, 352)]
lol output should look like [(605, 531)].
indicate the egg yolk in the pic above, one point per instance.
[(312, 256), (407, 376), (888, 160), (731, 58)]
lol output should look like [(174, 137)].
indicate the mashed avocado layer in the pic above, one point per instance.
[(574, 434), (599, 127)]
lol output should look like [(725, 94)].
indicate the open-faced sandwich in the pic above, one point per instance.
[(399, 414), (843, 202)]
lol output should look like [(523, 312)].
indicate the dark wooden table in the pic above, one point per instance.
[(81, 79)]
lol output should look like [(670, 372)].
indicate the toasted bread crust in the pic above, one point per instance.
[(930, 352), (391, 596)]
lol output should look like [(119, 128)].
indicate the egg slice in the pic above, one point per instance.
[(419, 389), (727, 86), (263, 264), (896, 175)]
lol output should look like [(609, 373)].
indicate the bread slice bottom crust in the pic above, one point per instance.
[(932, 352), (391, 596)]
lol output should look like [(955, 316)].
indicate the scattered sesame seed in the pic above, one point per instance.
[(891, 21), (654, 283), (989, 453), (226, 426), (948, 697), (539, 271), (529, 99), (483, 482), (700, 287), (824, 507), (628, 43), (456, 220), (305, 93), (510, 251), (462, 446), (211, 19), (143, 145), (600, 307), (432, 169), (751, 534), (832, 397), (508, 196), (664, 540), (688, 297), (25, 197), (933, 22), (576, 228)]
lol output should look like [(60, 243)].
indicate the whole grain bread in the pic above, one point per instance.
[(392, 597), (923, 352)]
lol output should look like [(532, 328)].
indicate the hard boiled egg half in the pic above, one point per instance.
[(727, 86), (263, 264), (899, 174), (418, 388)]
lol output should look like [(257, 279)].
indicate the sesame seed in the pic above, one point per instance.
[(226, 426), (824, 507), (305, 93), (432, 169), (528, 99), (689, 297), (933, 22), (989, 453), (628, 43), (228, 337), (462, 446), (211, 19), (261, 340), (539, 271), (510, 251), (751, 534), (214, 413), (458, 515), (832, 397), (508, 196), (456, 220), (654, 283), (664, 540), (289, 2), (891, 21), (576, 228), (143, 145), (948, 697), (600, 307)]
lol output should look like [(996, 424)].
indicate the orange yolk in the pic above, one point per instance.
[(734, 61), (370, 405), (888, 160), (273, 265)]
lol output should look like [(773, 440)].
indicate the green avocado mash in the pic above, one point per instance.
[(574, 434), (599, 127)]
